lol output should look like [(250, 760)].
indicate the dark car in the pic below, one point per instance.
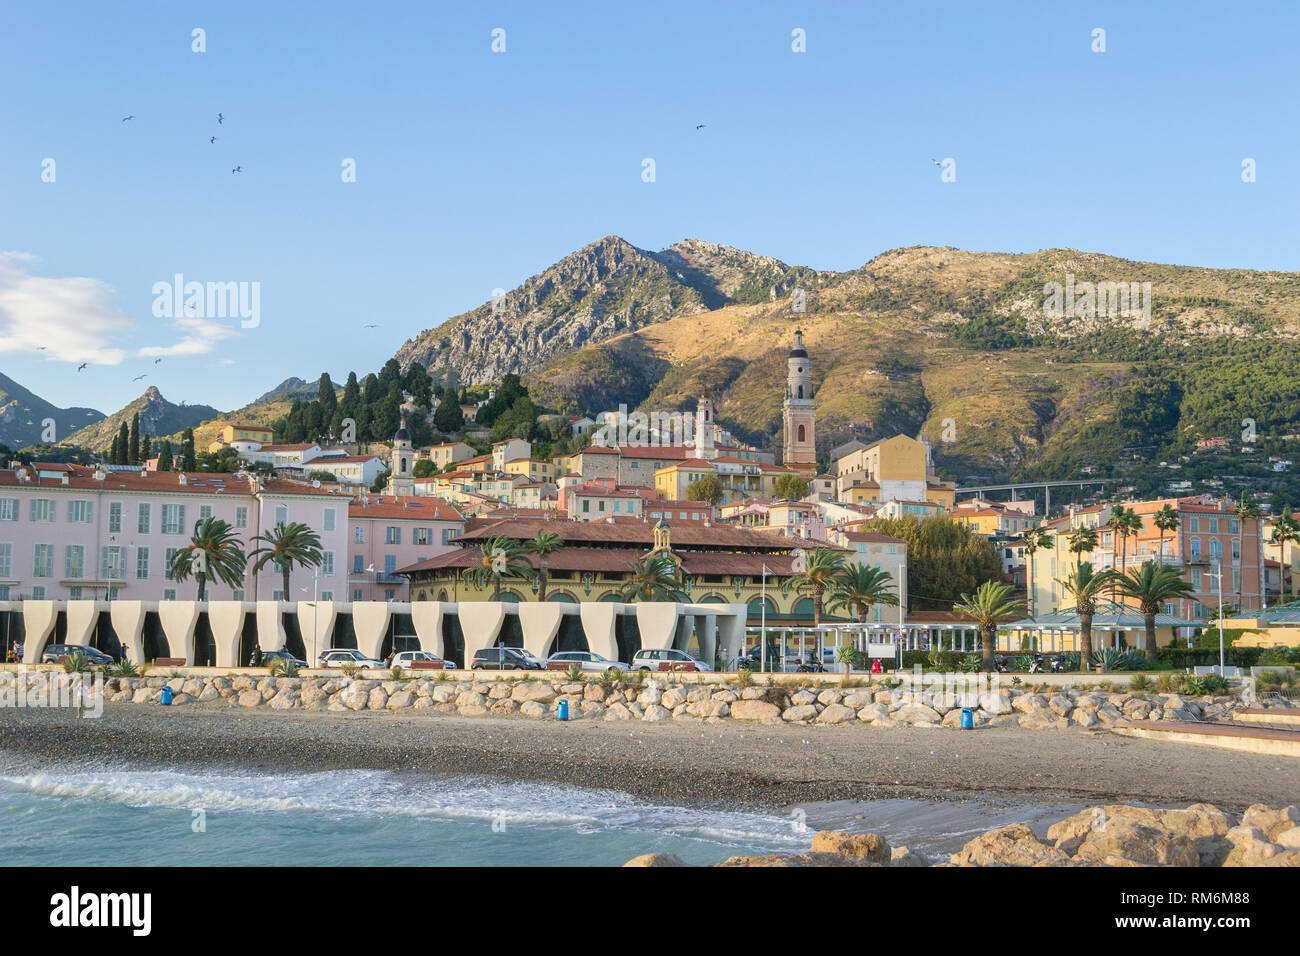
[(269, 656), (502, 659), (55, 652)]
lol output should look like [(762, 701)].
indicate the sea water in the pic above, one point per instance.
[(98, 814)]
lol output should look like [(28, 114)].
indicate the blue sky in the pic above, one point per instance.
[(477, 169)]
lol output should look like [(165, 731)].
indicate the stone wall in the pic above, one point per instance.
[(654, 700)]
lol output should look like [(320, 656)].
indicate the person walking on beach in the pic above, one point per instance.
[(875, 666)]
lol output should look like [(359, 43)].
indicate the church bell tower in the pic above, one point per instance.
[(799, 446)]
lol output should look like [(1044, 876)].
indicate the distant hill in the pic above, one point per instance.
[(959, 346), (158, 418), (22, 412)]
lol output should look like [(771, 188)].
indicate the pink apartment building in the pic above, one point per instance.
[(386, 533), (69, 532)]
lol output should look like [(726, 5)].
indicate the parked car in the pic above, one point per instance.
[(586, 660), (269, 656), (530, 656), (407, 658), (338, 656), (670, 659), (502, 659), (94, 658)]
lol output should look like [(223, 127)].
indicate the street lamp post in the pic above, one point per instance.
[(762, 630), (1218, 580)]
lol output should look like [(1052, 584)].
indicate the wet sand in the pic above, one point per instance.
[(730, 764)]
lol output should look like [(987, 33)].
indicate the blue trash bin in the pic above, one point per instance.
[(967, 718), (166, 695), (562, 709)]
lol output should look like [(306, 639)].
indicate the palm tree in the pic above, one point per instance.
[(1035, 538), (861, 586), (1083, 539), (1166, 519), (653, 578), (1116, 526), (501, 557), (213, 551), (286, 545), (1085, 587), (992, 600), (1245, 510), (818, 577), (1151, 586), (1286, 530), (545, 544)]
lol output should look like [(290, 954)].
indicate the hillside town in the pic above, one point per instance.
[(398, 522)]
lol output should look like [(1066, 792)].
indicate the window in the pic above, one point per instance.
[(43, 509), (113, 561), (393, 535), (142, 518), (74, 561), (448, 535), (327, 562), (173, 519), (6, 559), (169, 594), (422, 536), (8, 509), (74, 594), (168, 555), (1194, 524), (205, 512), (1236, 550), (359, 534), (241, 517), (1234, 526), (277, 595), (114, 517), (327, 519), (4, 592), (389, 594), (327, 595), (38, 592), (141, 564), (390, 563), (79, 511), (357, 566), (238, 595), (356, 594)]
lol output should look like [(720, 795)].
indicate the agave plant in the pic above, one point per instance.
[(1106, 659), (283, 667), (76, 663)]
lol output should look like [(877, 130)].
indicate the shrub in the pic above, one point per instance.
[(76, 663), (283, 667), (744, 678), (573, 672), (1205, 685), (395, 674), (1107, 659), (1140, 682), (123, 668), (350, 669)]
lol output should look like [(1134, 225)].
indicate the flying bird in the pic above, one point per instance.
[(701, 126), (370, 326), (935, 161), (42, 348), (220, 118), (81, 366), (238, 169), (156, 361), (212, 139), (125, 118), (138, 377)]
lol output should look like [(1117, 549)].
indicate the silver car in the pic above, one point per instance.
[(667, 660), (586, 660), (337, 657)]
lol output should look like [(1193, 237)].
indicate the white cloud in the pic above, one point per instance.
[(70, 319), (198, 337)]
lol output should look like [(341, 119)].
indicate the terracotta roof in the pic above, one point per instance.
[(612, 560), (301, 446), (409, 507), (197, 483), (639, 533), (865, 536)]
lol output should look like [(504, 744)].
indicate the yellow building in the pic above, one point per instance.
[(534, 469), (232, 433)]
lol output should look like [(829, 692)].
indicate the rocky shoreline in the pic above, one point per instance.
[(1201, 835), (875, 704)]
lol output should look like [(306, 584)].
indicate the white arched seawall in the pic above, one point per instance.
[(38, 621), (178, 619), (540, 621), (270, 627), (426, 617), (657, 622), (128, 625), (370, 624), (226, 620), (480, 623), (598, 620)]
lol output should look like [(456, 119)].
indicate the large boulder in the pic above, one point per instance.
[(800, 712), (1027, 703), (1272, 823), (916, 714), (754, 710), (1204, 826), (868, 846), (798, 859), (541, 692), (1014, 845), (656, 859), (836, 714), (873, 712)]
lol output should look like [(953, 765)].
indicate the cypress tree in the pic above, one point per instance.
[(133, 443)]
